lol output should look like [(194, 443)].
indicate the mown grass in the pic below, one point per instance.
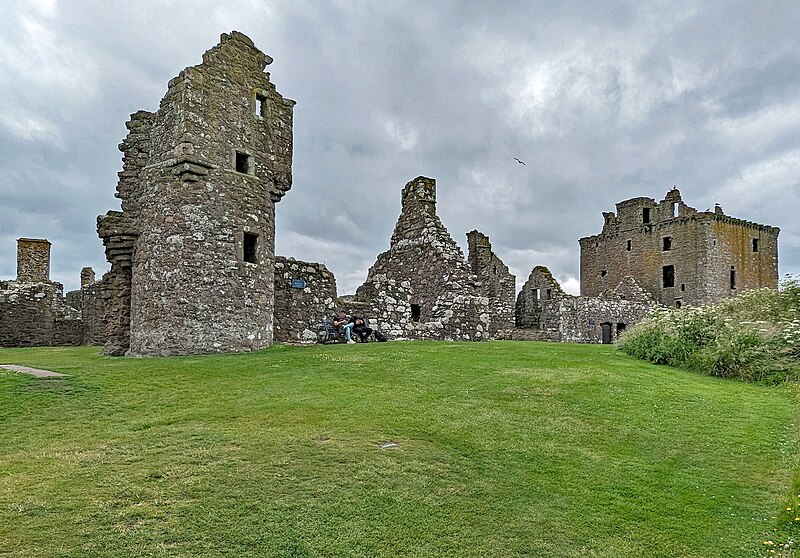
[(505, 449)]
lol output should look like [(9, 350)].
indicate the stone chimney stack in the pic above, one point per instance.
[(33, 260), (419, 196)]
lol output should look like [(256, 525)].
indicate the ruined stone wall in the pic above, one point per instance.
[(305, 294), (497, 283), (26, 313), (544, 311), (422, 287), (33, 260), (192, 251), (644, 237)]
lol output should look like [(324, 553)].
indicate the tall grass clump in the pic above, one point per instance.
[(754, 336)]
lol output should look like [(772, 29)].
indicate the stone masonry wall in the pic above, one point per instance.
[(26, 313), (33, 260), (645, 236), (422, 287), (497, 283), (192, 251), (305, 294), (546, 312)]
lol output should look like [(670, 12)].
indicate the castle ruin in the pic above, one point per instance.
[(679, 255), (193, 268), (192, 251)]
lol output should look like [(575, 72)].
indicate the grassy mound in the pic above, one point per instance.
[(392, 449), (754, 336)]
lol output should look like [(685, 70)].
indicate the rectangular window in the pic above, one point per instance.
[(630, 244), (415, 312), (668, 276), (676, 209), (549, 294), (733, 277), (667, 243), (646, 215), (260, 104), (755, 245), (242, 162), (250, 246)]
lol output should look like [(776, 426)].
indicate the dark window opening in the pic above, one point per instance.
[(603, 273), (733, 277), (668, 275), (630, 243), (683, 286), (646, 215), (620, 328), (495, 270), (242, 162), (549, 293), (260, 103), (677, 304), (667, 243), (250, 246), (755, 245), (415, 312)]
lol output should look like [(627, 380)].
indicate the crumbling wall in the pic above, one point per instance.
[(192, 252), (305, 294), (422, 287), (497, 283), (679, 255), (546, 312), (33, 260), (26, 313)]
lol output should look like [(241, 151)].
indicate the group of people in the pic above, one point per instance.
[(356, 323)]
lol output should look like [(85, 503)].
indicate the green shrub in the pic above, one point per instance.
[(754, 336)]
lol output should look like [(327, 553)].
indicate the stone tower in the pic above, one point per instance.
[(33, 260), (678, 254), (497, 283), (192, 251)]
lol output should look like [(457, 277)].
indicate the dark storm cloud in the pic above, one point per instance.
[(602, 100)]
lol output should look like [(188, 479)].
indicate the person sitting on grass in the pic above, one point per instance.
[(341, 321), (361, 326)]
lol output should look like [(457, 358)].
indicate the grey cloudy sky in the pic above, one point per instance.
[(603, 101)]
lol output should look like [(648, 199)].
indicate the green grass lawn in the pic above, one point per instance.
[(505, 449)]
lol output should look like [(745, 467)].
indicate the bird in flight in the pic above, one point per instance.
[(520, 162)]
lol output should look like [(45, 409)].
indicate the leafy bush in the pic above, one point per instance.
[(754, 336)]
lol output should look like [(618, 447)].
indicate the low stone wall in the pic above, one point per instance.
[(26, 314), (305, 294)]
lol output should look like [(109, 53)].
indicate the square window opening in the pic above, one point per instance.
[(667, 243), (260, 103), (603, 273), (668, 276), (250, 248), (242, 162)]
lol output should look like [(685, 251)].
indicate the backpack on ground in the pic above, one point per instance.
[(379, 336)]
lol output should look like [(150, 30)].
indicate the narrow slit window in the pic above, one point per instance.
[(668, 276), (415, 312), (733, 277), (250, 246), (260, 104), (549, 294), (629, 245), (242, 162), (676, 209), (646, 215), (755, 245), (683, 287), (667, 243)]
